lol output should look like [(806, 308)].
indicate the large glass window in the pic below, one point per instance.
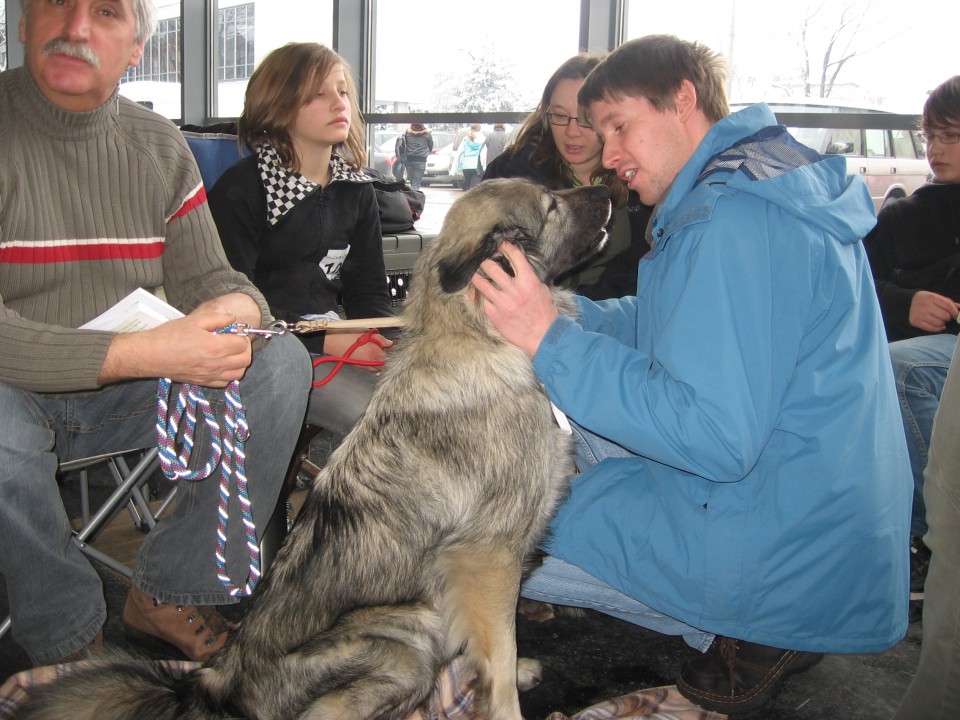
[(460, 56), (235, 55), (155, 82), (869, 53), (161, 55), (454, 56), (246, 31)]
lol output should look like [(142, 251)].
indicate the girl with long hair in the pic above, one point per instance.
[(300, 218)]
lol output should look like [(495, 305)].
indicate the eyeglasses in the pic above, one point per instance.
[(563, 120), (947, 138)]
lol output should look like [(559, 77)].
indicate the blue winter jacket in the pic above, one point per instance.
[(770, 499)]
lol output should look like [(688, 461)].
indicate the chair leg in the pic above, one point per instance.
[(300, 462), (276, 530), (118, 498)]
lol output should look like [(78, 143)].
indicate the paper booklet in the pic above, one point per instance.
[(140, 310)]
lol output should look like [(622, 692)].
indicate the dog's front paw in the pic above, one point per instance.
[(535, 610), (529, 673)]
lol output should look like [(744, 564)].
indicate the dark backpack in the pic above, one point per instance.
[(400, 207)]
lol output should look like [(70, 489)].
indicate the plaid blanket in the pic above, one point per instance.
[(452, 698)]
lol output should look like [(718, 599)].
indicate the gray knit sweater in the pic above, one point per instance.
[(92, 206)]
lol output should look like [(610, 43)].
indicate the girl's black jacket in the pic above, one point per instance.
[(293, 263), (915, 245)]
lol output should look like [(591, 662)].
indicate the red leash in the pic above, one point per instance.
[(345, 359)]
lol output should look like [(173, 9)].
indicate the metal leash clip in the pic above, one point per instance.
[(277, 327)]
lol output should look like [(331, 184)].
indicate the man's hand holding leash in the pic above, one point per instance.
[(187, 349)]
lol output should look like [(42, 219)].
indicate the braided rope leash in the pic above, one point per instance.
[(226, 449)]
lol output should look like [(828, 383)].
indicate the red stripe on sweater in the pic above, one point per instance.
[(194, 200), (62, 252)]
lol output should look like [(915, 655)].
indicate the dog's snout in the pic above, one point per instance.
[(594, 193), (601, 190)]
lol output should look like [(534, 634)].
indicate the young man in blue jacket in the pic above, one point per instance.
[(744, 479)]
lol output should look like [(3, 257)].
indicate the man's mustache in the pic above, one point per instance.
[(59, 46)]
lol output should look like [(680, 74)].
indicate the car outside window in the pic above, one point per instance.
[(877, 143), (906, 144), (891, 162)]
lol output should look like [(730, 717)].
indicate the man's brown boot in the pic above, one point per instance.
[(735, 676), (196, 631)]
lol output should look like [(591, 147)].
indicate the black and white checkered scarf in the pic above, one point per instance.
[(285, 188)]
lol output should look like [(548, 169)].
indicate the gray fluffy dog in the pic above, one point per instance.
[(409, 548)]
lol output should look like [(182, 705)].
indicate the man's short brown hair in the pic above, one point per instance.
[(653, 67)]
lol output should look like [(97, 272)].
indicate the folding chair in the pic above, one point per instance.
[(130, 492)]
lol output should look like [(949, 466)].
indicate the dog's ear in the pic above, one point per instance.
[(455, 274)]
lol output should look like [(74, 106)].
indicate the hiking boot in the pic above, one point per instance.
[(735, 676), (196, 631)]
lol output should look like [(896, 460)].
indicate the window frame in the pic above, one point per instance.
[(229, 45), (601, 29)]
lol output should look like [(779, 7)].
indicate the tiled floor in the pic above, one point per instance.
[(593, 657)]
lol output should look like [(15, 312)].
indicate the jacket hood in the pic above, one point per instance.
[(748, 152)]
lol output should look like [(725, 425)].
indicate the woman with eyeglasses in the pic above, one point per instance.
[(914, 253), (556, 147)]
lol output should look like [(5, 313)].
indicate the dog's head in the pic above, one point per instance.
[(557, 230)]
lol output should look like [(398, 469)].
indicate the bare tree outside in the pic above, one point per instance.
[(831, 35), (872, 53)]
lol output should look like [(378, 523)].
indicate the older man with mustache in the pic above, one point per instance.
[(99, 196)]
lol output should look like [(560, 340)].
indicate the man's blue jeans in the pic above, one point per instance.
[(415, 169), (561, 583), (920, 369), (56, 601)]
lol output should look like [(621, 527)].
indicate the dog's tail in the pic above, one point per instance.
[(119, 687)]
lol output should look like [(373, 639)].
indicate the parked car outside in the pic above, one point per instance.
[(892, 162), (441, 167), (383, 155)]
